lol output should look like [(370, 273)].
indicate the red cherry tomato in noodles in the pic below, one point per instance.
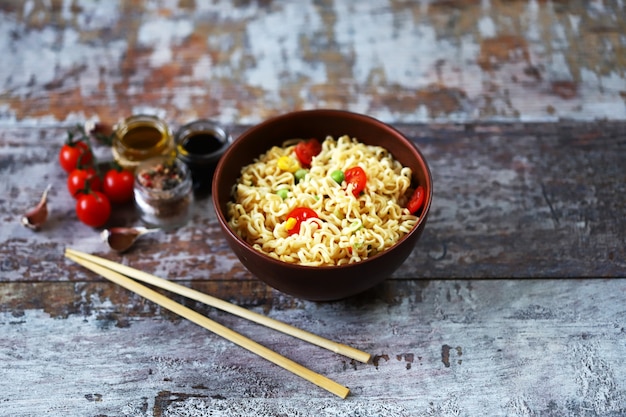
[(300, 214), (357, 177), (306, 150), (417, 200), (82, 180), (118, 185), (93, 209), (75, 155)]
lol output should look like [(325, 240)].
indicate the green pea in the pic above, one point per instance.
[(282, 193), (300, 174), (337, 176)]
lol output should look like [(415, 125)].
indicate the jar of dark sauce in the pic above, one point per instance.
[(200, 144)]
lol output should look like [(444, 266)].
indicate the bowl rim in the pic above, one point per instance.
[(234, 237)]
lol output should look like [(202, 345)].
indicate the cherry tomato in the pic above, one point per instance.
[(75, 155), (93, 208), (417, 200), (306, 150), (118, 186), (83, 180), (357, 177), (300, 214)]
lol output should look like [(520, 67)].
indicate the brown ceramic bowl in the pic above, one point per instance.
[(324, 283)]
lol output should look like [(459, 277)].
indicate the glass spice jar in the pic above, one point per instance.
[(163, 192), (141, 137), (200, 144)]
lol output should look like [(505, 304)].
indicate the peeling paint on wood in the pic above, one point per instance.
[(464, 342), (507, 203), (511, 303), (241, 62), (75, 345)]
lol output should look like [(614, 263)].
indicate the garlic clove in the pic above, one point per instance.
[(35, 217), (121, 239)]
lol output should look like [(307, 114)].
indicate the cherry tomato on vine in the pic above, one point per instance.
[(357, 177), (93, 208), (75, 155), (83, 180), (417, 200), (297, 216), (306, 150), (118, 185)]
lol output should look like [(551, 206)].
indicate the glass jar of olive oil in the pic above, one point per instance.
[(141, 137)]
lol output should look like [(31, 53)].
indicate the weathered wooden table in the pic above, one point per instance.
[(513, 302)]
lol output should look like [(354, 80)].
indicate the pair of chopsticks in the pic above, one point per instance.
[(122, 274)]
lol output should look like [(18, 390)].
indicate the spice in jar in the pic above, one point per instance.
[(160, 177), (163, 192), (141, 137), (200, 145)]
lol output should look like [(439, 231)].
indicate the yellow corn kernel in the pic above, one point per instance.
[(288, 164), (290, 223)]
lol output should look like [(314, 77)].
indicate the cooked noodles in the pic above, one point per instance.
[(348, 229)]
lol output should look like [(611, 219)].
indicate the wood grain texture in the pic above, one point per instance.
[(510, 201), (507, 205), (243, 61), (511, 304), (447, 348)]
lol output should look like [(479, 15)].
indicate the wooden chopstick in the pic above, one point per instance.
[(339, 348), (220, 330)]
